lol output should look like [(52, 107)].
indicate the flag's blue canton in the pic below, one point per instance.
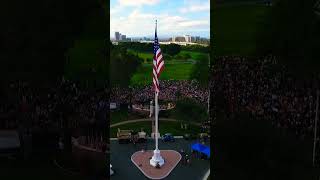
[(156, 45)]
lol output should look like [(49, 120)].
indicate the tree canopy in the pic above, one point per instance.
[(200, 71), (196, 48), (171, 49), (189, 110), (122, 66)]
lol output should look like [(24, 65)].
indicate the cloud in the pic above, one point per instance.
[(195, 6), (190, 24), (115, 10), (137, 2), (143, 24)]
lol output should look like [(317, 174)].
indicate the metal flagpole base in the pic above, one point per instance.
[(156, 159)]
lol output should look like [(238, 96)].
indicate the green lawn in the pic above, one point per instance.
[(194, 55), (174, 69), (123, 115), (164, 127), (118, 116), (235, 28), (171, 71), (143, 55)]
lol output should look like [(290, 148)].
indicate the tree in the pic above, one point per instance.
[(122, 66), (188, 110), (200, 71), (196, 48), (186, 56), (167, 57), (171, 49)]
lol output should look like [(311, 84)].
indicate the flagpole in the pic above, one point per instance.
[(156, 112), (156, 119), (156, 160)]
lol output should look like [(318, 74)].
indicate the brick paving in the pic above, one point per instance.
[(142, 161)]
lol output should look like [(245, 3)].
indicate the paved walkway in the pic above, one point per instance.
[(147, 119)]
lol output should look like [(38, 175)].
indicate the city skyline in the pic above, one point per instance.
[(113, 36), (175, 18)]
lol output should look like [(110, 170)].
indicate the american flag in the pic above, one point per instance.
[(158, 62)]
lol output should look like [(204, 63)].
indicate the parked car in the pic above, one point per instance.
[(142, 136), (203, 135), (124, 136), (139, 137), (168, 137)]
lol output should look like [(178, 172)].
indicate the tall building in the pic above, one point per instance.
[(197, 38), (117, 35), (180, 39), (120, 37), (123, 37), (187, 38)]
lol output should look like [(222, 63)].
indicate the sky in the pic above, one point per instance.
[(136, 18)]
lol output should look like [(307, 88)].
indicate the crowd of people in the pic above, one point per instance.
[(66, 105), (265, 89), (171, 90)]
